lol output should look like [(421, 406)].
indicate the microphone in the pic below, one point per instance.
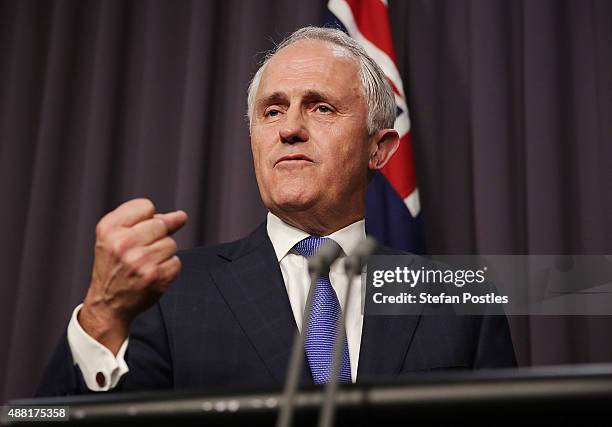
[(352, 268), (355, 262), (318, 265)]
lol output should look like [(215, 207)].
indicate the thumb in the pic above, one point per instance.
[(173, 220)]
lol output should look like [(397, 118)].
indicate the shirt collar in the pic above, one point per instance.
[(284, 236)]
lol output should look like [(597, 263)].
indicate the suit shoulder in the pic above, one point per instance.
[(202, 255), (212, 255)]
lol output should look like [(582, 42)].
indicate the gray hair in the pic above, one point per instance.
[(377, 91)]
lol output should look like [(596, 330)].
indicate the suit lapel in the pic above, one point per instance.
[(384, 341), (252, 284)]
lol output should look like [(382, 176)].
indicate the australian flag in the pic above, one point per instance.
[(393, 210)]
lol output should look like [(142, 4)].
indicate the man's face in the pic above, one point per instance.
[(309, 132)]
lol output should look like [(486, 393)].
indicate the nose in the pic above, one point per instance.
[(293, 129)]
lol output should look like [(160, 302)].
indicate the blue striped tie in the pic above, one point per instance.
[(319, 343)]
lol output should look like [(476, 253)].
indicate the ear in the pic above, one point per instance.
[(383, 145)]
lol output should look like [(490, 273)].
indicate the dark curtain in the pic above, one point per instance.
[(102, 101)]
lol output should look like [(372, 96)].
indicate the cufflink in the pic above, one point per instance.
[(100, 379)]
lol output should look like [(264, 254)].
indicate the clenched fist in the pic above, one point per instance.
[(135, 261)]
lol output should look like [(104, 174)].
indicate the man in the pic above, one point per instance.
[(321, 115)]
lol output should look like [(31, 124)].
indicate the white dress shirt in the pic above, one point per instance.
[(294, 268), (96, 361)]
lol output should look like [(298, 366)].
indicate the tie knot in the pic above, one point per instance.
[(310, 245)]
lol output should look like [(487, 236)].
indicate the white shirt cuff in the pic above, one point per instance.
[(100, 368)]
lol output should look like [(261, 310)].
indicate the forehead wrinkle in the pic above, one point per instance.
[(322, 68)]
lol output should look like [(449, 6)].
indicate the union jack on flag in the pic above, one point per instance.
[(392, 202)]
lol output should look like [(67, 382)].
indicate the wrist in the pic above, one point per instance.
[(106, 328)]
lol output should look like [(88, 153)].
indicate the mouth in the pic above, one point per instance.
[(293, 158)]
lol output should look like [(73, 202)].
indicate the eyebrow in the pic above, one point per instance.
[(280, 98), (273, 98)]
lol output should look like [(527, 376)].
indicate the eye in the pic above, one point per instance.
[(271, 112), (323, 109)]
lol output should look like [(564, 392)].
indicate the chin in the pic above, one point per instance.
[(293, 202)]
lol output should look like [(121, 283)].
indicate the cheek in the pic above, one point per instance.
[(258, 149), (350, 155)]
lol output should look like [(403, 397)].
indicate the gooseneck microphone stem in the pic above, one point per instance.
[(352, 268), (318, 266), (296, 362)]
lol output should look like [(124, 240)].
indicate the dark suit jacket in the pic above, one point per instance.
[(227, 322)]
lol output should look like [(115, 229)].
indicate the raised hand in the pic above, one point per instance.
[(135, 261)]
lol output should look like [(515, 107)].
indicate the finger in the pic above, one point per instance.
[(129, 213), (150, 230), (161, 250), (153, 254), (146, 232), (168, 271), (174, 220)]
